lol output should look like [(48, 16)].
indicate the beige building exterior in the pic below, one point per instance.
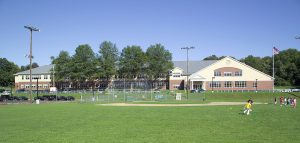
[(41, 74), (224, 74)]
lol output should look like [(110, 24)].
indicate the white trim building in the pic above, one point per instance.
[(43, 73), (224, 74)]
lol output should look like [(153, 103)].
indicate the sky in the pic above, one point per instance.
[(235, 28)]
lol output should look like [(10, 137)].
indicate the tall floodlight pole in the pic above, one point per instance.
[(30, 28), (187, 69), (212, 83)]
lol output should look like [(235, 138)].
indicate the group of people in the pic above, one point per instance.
[(287, 101)]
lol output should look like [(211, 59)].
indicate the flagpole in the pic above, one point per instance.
[(273, 68)]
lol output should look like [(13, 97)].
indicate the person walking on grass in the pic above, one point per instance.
[(294, 103), (247, 108), (281, 100)]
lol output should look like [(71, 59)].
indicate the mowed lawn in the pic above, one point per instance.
[(75, 122)]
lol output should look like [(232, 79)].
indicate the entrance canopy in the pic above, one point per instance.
[(197, 78)]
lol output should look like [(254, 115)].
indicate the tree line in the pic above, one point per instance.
[(132, 61)]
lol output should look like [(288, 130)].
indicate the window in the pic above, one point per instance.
[(215, 84), (238, 73), (217, 73), (27, 86), (22, 86), (227, 84), (254, 84), (176, 86), (240, 84), (22, 77), (176, 75), (27, 76), (227, 73), (45, 85), (45, 76), (162, 75), (36, 76)]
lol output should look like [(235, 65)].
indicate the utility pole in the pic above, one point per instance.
[(30, 60), (187, 69)]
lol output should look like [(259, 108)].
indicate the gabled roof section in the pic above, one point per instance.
[(248, 66), (194, 66), (39, 70)]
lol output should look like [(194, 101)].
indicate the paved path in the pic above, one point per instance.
[(178, 105)]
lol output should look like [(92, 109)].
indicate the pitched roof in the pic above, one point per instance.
[(39, 70), (194, 66)]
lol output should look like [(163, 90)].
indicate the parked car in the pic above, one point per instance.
[(5, 92), (197, 90), (23, 98), (70, 98), (295, 90)]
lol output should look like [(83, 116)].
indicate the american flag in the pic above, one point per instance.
[(275, 51)]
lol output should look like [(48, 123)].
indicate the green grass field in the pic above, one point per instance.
[(75, 122)]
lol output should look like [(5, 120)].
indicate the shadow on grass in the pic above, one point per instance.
[(294, 95)]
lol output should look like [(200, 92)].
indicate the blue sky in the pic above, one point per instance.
[(222, 27)]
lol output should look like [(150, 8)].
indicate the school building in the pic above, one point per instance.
[(41, 77), (225, 74)]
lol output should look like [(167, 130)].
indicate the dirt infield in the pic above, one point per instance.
[(177, 105)]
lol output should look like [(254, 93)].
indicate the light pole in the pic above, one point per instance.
[(256, 85), (187, 69), (212, 83), (30, 59), (37, 87)]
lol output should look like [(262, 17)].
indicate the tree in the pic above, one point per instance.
[(8, 69), (62, 66), (27, 67), (108, 57), (132, 62), (212, 57), (83, 64), (287, 67), (159, 62)]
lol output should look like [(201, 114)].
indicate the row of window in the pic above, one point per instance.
[(229, 84), (27, 77), (218, 73), (237, 73)]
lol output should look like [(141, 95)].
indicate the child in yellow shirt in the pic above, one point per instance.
[(247, 107)]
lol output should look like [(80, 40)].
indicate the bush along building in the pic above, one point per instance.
[(224, 74)]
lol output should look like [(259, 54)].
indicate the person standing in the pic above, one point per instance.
[(281, 100), (275, 101), (285, 101)]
